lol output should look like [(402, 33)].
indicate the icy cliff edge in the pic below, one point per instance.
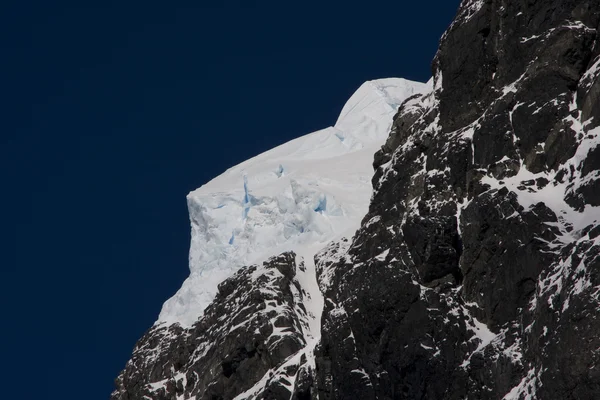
[(296, 197)]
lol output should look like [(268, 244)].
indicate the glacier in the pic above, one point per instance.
[(296, 197)]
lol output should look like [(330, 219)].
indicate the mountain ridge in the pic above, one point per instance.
[(475, 273), (269, 203)]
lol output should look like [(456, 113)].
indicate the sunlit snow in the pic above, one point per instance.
[(298, 196)]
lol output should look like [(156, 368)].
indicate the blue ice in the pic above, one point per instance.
[(246, 198), (280, 171), (322, 206)]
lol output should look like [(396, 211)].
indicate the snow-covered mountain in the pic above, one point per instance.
[(467, 269), (296, 197), (282, 206)]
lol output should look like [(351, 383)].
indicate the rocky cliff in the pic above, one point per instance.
[(475, 273)]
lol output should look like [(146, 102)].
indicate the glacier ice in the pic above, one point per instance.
[(298, 196)]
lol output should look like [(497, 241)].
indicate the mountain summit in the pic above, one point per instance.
[(466, 266), (298, 196)]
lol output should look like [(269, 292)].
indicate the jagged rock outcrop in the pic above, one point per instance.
[(475, 273), (254, 325)]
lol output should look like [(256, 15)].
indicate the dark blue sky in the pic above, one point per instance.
[(114, 112)]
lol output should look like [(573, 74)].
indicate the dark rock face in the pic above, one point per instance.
[(475, 273), (254, 324)]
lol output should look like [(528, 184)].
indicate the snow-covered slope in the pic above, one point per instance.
[(298, 196)]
